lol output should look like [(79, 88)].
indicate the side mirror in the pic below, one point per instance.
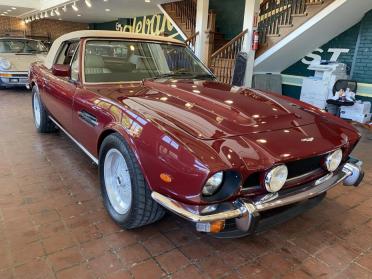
[(61, 70)]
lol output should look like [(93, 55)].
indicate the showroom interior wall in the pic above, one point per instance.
[(42, 28), (353, 47)]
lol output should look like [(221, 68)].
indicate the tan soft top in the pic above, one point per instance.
[(100, 34)]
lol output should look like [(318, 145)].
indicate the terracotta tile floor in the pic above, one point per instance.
[(53, 225)]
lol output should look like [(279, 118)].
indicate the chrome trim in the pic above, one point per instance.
[(253, 206), (313, 189), (91, 156), (181, 210)]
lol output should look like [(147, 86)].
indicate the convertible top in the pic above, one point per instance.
[(101, 34)]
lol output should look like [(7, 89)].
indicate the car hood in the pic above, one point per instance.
[(20, 61), (211, 110)]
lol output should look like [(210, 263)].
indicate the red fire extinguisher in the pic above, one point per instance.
[(255, 42)]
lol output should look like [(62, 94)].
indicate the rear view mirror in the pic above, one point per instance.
[(61, 70)]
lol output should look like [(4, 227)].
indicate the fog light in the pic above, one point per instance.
[(276, 178), (333, 160)]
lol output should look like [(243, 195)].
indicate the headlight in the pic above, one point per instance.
[(4, 64), (276, 178), (213, 184), (333, 160)]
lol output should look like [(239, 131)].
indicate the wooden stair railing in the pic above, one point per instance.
[(275, 14), (190, 41), (183, 14), (185, 10), (222, 61)]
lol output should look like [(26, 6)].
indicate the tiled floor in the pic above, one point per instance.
[(53, 225)]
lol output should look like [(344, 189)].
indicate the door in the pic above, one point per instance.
[(59, 91)]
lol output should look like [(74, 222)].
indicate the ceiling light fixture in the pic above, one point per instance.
[(107, 10), (37, 17), (64, 9), (14, 8), (51, 13), (41, 15), (74, 7), (46, 14), (147, 1), (88, 3), (57, 12), (78, 14)]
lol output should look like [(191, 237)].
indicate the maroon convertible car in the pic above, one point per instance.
[(166, 135)]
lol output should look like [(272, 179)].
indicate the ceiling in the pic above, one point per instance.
[(13, 11), (100, 10)]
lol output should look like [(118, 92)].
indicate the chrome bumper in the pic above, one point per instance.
[(14, 79), (246, 209)]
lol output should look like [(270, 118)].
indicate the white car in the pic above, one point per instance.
[(16, 55)]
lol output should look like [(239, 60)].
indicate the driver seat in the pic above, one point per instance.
[(94, 64)]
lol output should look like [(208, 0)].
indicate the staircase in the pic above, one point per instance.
[(183, 13), (290, 29), (278, 18)]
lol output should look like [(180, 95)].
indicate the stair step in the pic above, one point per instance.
[(273, 35), (299, 15), (285, 26), (314, 3)]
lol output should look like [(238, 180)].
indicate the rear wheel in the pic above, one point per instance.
[(126, 194), (41, 120)]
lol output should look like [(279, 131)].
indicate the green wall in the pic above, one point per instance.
[(353, 47), (230, 15)]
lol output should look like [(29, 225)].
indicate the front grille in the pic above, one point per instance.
[(19, 75), (295, 169), (304, 166)]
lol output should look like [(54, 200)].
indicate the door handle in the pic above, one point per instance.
[(88, 118), (46, 81)]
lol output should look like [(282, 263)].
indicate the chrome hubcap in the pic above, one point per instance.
[(117, 181), (37, 113)]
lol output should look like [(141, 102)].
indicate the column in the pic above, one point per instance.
[(202, 41), (252, 8)]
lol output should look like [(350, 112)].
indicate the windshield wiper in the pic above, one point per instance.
[(184, 74), (203, 76)]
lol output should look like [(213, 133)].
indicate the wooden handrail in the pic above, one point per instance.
[(277, 13), (222, 61), (230, 43), (191, 40)]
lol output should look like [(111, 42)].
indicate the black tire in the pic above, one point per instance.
[(143, 210), (45, 125)]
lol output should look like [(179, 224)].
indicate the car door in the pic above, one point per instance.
[(87, 116), (59, 91)]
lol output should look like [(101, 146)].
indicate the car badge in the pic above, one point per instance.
[(307, 139)]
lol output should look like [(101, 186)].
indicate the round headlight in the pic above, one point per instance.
[(4, 64), (213, 184), (333, 160), (276, 178)]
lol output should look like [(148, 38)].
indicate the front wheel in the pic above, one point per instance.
[(41, 119), (125, 192)]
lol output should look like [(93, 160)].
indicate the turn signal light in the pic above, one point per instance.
[(217, 226), (5, 75), (213, 227), (166, 177)]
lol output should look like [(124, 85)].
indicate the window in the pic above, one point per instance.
[(66, 52), (120, 61), (21, 46), (75, 66)]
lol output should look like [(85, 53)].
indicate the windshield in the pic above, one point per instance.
[(21, 46), (120, 61)]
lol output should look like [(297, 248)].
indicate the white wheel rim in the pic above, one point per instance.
[(37, 113), (117, 181)]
